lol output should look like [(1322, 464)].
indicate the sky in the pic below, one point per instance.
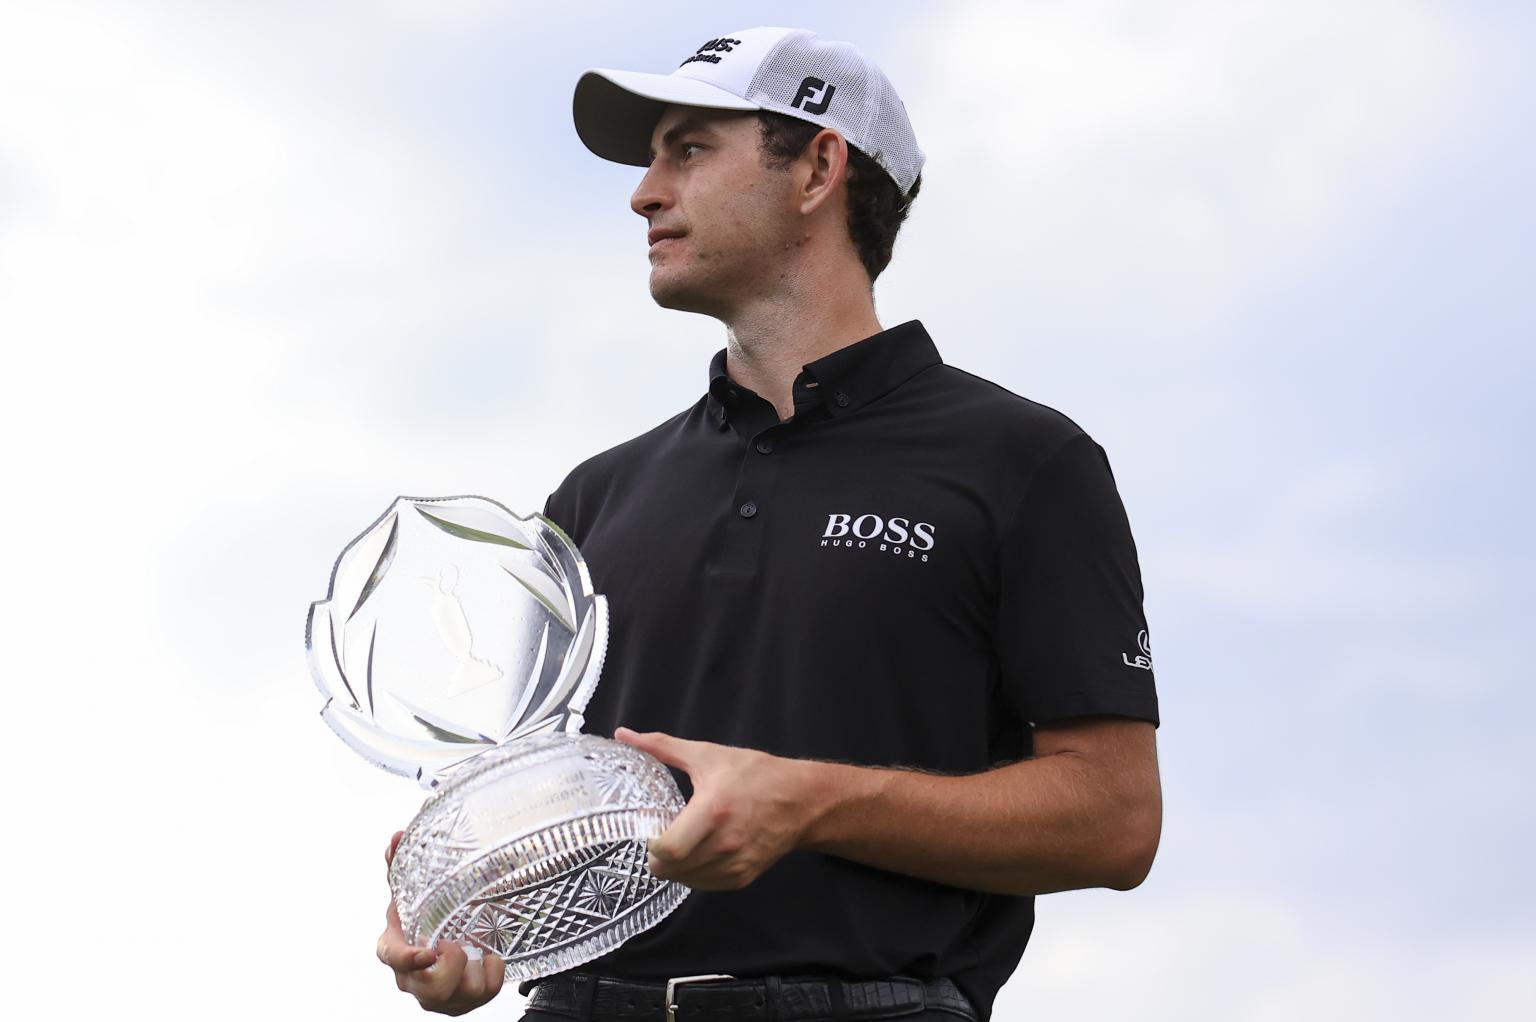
[(264, 267)]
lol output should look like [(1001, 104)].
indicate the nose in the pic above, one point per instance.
[(652, 194)]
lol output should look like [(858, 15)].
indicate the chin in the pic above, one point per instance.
[(681, 294)]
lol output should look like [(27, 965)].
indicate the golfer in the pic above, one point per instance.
[(883, 618)]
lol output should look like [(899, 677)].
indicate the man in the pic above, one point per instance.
[(882, 616)]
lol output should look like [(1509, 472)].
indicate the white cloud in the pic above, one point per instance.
[(1238, 954), (1118, 164)]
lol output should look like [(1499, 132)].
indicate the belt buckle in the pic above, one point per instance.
[(677, 981)]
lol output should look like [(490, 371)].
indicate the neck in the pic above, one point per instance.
[(767, 343)]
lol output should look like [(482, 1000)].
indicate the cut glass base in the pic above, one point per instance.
[(536, 851)]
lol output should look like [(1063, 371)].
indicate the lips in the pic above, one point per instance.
[(661, 234)]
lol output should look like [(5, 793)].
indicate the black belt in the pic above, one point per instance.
[(585, 996)]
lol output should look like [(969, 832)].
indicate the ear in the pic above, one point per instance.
[(825, 165)]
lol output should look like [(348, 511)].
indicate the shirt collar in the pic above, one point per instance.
[(842, 381)]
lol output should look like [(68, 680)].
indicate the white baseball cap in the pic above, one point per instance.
[(788, 70)]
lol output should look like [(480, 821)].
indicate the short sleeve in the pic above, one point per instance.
[(556, 509), (1071, 634), (562, 505)]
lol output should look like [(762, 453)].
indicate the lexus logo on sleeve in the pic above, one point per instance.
[(814, 95), (1144, 658), (901, 537)]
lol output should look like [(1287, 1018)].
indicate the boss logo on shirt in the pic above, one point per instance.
[(899, 536), (1144, 658)]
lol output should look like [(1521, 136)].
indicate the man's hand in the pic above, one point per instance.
[(442, 980), (748, 809)]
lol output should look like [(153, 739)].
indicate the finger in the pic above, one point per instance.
[(438, 981), (495, 974), (678, 841), (674, 751), (395, 951), (405, 958), (389, 852), (472, 983)]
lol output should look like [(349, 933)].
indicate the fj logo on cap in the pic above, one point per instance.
[(711, 50), (814, 95)]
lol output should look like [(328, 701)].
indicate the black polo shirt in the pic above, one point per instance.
[(908, 572)]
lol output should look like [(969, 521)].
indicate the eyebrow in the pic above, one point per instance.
[(683, 127)]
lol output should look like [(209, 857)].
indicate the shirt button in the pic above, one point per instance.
[(748, 509), (765, 447), (841, 399)]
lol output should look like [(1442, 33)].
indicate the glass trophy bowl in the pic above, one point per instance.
[(459, 645)]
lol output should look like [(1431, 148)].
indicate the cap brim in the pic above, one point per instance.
[(616, 111)]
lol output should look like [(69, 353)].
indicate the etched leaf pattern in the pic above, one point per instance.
[(495, 686)]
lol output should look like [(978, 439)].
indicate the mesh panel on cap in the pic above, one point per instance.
[(863, 106), (890, 138)]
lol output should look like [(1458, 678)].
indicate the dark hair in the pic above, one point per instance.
[(876, 207)]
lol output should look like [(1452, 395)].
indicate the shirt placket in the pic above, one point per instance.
[(757, 427)]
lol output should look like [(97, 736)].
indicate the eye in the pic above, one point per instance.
[(690, 145)]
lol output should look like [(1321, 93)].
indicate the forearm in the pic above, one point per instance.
[(1032, 827)]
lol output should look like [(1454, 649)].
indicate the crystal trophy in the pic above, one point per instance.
[(459, 645)]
